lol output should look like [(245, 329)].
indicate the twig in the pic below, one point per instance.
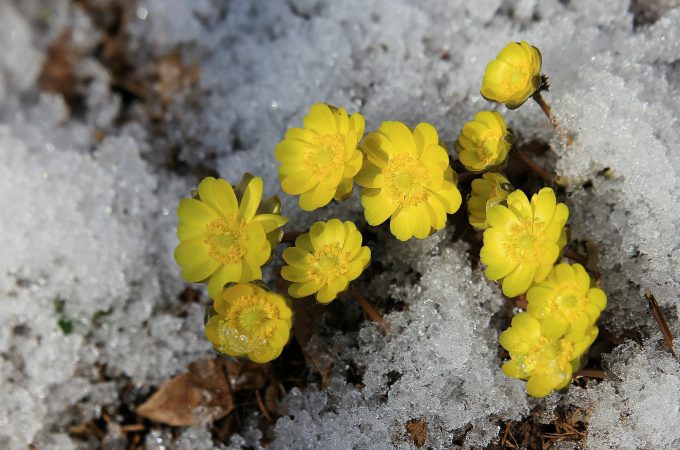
[(508, 424), (531, 165), (589, 373), (262, 407), (569, 253), (548, 112), (661, 321), (368, 309)]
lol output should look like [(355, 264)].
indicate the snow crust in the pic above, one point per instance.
[(87, 210)]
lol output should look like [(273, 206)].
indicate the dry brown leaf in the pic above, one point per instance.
[(174, 76), (58, 71), (417, 429), (202, 394)]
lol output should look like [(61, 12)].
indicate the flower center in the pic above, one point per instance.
[(568, 303), (532, 359), (226, 238), (405, 177), (526, 243), (325, 155), (328, 264), (518, 80), (488, 144), (250, 322)]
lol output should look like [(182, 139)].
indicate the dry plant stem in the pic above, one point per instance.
[(661, 321), (368, 309), (570, 254), (589, 373), (531, 165), (538, 98)]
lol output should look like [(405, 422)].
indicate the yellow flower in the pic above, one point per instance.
[(492, 188), (249, 321), (407, 177), (547, 362), (319, 161), (523, 240), (513, 76), (565, 303), (325, 260), (484, 142), (225, 237)]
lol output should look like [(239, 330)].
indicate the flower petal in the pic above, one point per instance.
[(297, 257), (400, 136), (304, 242), (300, 290), (378, 207), (228, 273), (330, 291), (294, 274), (449, 196), (400, 225), (297, 183), (270, 222), (251, 199), (219, 194), (370, 176), (544, 205), (357, 266), (358, 124), (540, 385), (498, 216), (499, 267), (425, 135), (194, 216), (192, 256), (519, 280), (317, 197), (320, 119), (344, 190), (250, 271), (421, 224)]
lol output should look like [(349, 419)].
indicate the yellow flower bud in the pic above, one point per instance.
[(490, 189), (513, 76), (484, 143)]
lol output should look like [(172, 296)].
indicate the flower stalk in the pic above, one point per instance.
[(368, 309)]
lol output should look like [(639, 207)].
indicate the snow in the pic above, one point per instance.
[(87, 221)]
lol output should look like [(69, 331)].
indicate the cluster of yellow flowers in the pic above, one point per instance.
[(227, 233), (405, 174), (524, 239), (547, 343)]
